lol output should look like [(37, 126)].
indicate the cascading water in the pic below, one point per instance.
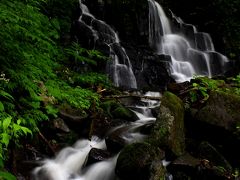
[(192, 53), (119, 68), (69, 164)]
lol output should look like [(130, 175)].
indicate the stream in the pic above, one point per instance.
[(70, 163)]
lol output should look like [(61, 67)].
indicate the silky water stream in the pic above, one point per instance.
[(70, 163)]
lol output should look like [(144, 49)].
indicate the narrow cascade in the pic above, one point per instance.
[(192, 53), (119, 68), (70, 163)]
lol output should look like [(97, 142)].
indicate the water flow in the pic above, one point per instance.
[(192, 53), (69, 164), (119, 68)]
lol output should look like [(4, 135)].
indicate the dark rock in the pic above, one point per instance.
[(70, 117), (207, 151), (59, 124), (115, 141), (185, 165), (222, 110), (84, 34), (168, 131), (96, 155), (139, 161)]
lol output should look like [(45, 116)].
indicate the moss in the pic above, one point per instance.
[(168, 131), (135, 161), (221, 109), (124, 113), (118, 111)]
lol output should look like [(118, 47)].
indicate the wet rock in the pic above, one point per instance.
[(168, 131), (117, 111), (84, 34), (124, 113), (115, 140), (184, 166), (139, 161), (96, 155), (209, 152)]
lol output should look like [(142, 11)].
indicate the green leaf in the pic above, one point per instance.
[(7, 176), (6, 95), (26, 130), (5, 139), (1, 107), (6, 123)]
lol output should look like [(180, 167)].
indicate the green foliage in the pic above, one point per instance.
[(81, 56), (32, 85), (11, 130), (76, 97), (92, 79), (201, 88)]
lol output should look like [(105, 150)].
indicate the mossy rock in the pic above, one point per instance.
[(221, 110), (118, 111), (138, 161), (124, 113), (168, 131)]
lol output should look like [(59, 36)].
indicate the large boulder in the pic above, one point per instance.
[(140, 161), (168, 131), (221, 110)]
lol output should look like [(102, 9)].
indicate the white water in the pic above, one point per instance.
[(189, 53), (120, 68), (70, 162)]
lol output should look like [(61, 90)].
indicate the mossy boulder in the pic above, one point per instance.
[(221, 110), (168, 131), (140, 161), (116, 110)]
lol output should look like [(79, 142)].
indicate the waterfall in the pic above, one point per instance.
[(119, 68), (192, 53)]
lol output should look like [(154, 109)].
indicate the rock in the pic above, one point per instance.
[(117, 111), (59, 124), (168, 131), (221, 110), (209, 152), (124, 113), (157, 171), (138, 161), (184, 166), (100, 124), (115, 141), (96, 155)]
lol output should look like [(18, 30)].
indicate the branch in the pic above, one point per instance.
[(132, 95)]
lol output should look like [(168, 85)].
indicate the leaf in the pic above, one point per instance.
[(6, 123), (6, 95), (26, 130), (5, 139), (1, 107), (7, 176)]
